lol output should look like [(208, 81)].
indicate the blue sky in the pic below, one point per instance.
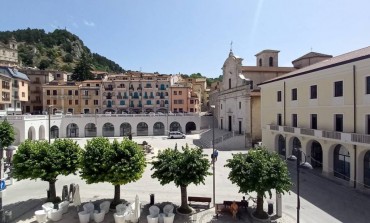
[(190, 36)]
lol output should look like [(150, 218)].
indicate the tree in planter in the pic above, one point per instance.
[(259, 171), (7, 134), (39, 159), (182, 168), (116, 163)]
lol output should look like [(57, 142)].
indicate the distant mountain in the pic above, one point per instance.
[(59, 50)]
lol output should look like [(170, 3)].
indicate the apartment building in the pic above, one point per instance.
[(18, 91), (37, 79), (91, 96), (136, 92), (237, 99), (199, 88), (183, 99), (9, 52), (63, 96), (324, 110)]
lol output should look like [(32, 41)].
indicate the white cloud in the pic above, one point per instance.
[(92, 24)]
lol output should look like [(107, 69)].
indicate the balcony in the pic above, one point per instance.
[(108, 89), (36, 101), (340, 137), (36, 92), (6, 87), (148, 86), (6, 99), (86, 96)]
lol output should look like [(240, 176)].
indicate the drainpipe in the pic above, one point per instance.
[(354, 124)]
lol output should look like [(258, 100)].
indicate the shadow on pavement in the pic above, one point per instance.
[(342, 202)]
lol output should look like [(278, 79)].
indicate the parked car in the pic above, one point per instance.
[(176, 135), (58, 112)]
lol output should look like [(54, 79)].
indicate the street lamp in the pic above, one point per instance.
[(213, 155), (50, 106), (304, 165)]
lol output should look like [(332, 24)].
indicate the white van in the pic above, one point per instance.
[(176, 135)]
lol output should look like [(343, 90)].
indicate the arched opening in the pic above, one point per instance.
[(142, 129), (175, 126), (281, 146), (125, 129), (17, 140), (316, 155), (90, 130), (158, 129), (149, 110), (296, 145), (108, 130), (342, 163), (31, 133), (72, 130), (260, 62), (54, 132), (367, 169), (271, 62), (41, 132), (190, 126)]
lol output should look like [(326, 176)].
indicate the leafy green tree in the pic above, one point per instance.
[(196, 75), (116, 163), (7, 134), (83, 69), (259, 171), (68, 58), (39, 159), (45, 63), (182, 168)]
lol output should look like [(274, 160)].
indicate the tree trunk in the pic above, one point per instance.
[(260, 213), (117, 196), (184, 208), (52, 192)]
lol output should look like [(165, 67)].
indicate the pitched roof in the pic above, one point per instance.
[(14, 73), (353, 56), (311, 55), (267, 51)]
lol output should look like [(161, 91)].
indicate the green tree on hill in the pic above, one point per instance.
[(83, 69)]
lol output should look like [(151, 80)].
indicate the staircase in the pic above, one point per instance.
[(206, 138)]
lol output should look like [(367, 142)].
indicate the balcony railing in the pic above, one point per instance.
[(274, 127), (36, 91), (331, 135), (108, 89), (309, 132), (86, 96), (360, 138), (288, 129)]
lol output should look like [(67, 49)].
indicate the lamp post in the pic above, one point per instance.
[(50, 106), (304, 165), (213, 156)]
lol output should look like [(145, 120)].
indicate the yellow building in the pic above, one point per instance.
[(323, 110), (91, 96), (62, 96)]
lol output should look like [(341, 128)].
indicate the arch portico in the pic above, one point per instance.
[(41, 132), (31, 133)]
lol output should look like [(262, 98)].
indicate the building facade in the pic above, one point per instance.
[(18, 92), (9, 53), (63, 97), (238, 97), (323, 110)]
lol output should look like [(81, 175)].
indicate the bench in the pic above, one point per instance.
[(200, 199)]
